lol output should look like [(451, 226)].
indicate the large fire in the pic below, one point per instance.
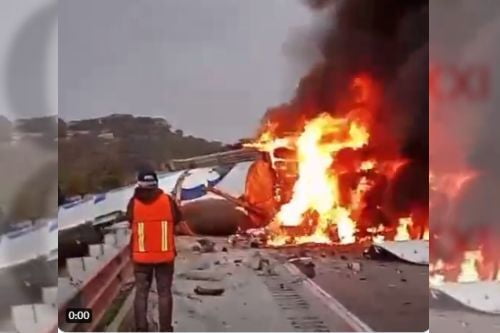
[(334, 171), (466, 261), (316, 189)]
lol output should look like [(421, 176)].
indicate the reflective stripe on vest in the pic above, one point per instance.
[(164, 235), (140, 236), (153, 231)]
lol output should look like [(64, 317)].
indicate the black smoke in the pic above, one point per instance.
[(387, 40)]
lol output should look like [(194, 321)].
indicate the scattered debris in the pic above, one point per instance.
[(208, 291), (251, 238), (194, 298), (354, 266), (224, 249), (260, 264), (403, 280), (238, 261), (343, 257), (302, 260), (309, 270), (199, 276), (233, 239), (196, 248), (217, 262), (203, 265), (206, 245), (362, 279), (305, 265)]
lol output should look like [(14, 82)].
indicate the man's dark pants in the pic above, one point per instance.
[(143, 277)]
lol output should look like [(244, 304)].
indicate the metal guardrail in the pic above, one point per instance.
[(101, 282), (228, 157)]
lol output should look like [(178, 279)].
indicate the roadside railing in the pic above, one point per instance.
[(95, 281), (227, 157)]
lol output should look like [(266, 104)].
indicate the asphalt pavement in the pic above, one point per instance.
[(447, 315), (260, 294), (388, 296)]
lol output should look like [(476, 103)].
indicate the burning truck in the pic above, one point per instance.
[(346, 159), (326, 181)]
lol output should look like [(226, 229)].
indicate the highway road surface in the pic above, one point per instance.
[(447, 315), (264, 292)]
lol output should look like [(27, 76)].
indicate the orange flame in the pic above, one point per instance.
[(316, 189), (468, 268), (402, 232)]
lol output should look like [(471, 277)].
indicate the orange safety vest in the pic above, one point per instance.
[(153, 231)]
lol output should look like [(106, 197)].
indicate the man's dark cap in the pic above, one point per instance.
[(147, 179)]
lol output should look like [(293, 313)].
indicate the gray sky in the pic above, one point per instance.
[(211, 68)]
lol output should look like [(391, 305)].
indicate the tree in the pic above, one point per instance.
[(77, 184), (89, 164)]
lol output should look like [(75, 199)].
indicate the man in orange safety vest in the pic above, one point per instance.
[(153, 215)]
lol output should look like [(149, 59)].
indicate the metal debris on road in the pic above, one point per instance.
[(194, 298), (302, 260), (354, 266), (208, 291), (199, 276), (261, 264), (251, 238), (206, 245)]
